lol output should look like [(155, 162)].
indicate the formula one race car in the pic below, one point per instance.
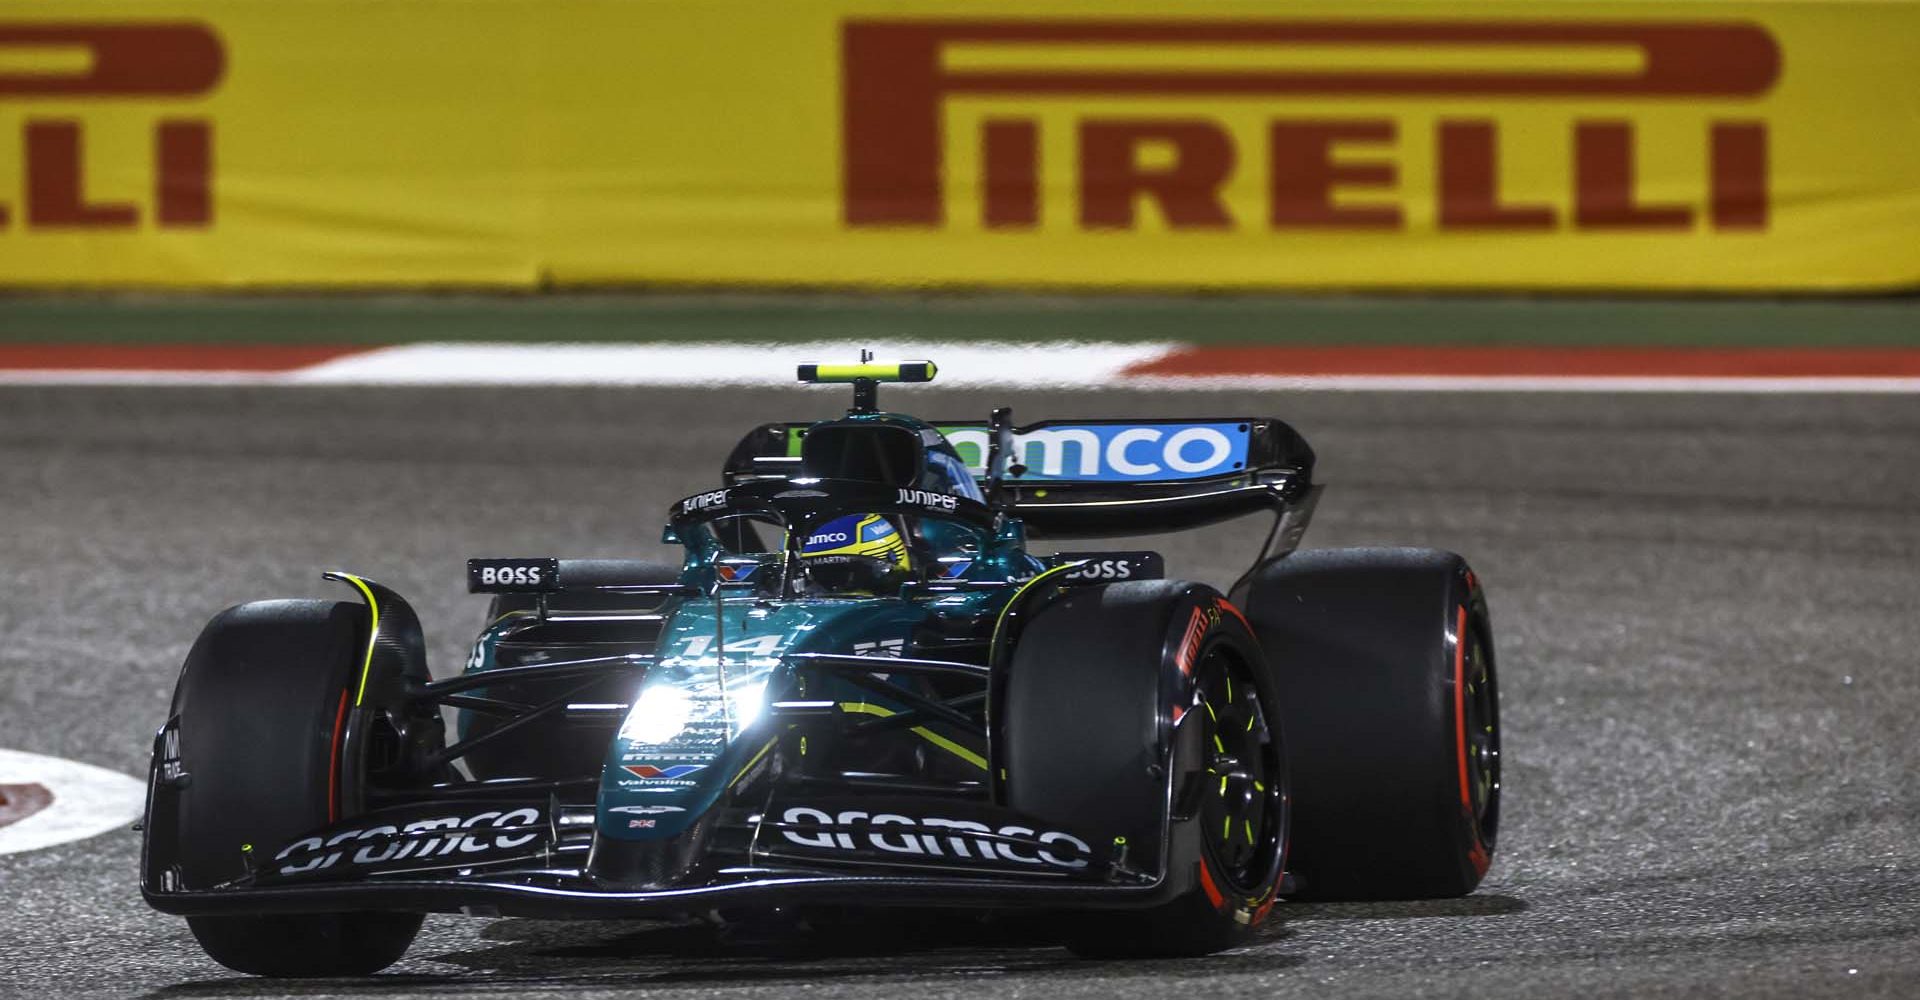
[(861, 689)]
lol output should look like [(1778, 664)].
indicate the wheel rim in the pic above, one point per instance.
[(1482, 723), (1240, 810)]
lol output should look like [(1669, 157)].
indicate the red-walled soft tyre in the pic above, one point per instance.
[(1384, 662)]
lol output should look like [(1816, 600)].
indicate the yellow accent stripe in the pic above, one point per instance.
[(749, 765), (923, 732), (1001, 622), (373, 634)]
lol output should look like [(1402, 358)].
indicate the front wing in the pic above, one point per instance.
[(537, 859)]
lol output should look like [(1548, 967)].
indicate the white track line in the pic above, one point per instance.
[(87, 800), (1094, 366), (982, 364)]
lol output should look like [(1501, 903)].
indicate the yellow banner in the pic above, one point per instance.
[(1207, 144)]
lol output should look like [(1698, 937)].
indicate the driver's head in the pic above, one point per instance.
[(857, 553)]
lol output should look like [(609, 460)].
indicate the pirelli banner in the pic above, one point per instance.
[(1204, 144)]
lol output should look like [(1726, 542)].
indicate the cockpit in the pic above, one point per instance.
[(839, 546)]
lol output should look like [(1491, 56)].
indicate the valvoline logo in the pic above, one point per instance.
[(1115, 453), (672, 771)]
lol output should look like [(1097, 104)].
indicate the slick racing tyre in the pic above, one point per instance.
[(1105, 680), (555, 748), (1384, 663), (260, 705)]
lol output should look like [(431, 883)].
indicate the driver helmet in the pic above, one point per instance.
[(857, 553)]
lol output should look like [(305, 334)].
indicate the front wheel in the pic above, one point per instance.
[(260, 706), (306, 945), (1103, 683)]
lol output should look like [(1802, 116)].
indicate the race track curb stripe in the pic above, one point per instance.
[(1586, 363), (84, 801), (191, 358), (992, 365)]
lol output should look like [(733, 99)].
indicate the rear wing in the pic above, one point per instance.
[(1094, 478)]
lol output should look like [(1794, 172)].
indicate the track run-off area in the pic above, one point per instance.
[(1031, 341), (985, 364), (1706, 606)]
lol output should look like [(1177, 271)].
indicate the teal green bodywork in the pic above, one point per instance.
[(684, 743), (681, 720)]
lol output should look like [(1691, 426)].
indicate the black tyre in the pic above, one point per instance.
[(1101, 682), (558, 749), (1384, 663), (261, 702)]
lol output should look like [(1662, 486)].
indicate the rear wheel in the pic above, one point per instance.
[(1100, 683), (1384, 660), (261, 704)]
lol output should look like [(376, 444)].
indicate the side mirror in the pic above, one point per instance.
[(668, 536)]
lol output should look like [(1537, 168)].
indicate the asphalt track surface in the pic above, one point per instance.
[(1707, 611)]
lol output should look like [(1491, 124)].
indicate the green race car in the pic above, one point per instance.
[(863, 687)]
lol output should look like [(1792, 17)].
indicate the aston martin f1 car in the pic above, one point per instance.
[(863, 687)]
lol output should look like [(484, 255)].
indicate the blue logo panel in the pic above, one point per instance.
[(1115, 453)]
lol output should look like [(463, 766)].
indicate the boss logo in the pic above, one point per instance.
[(936, 501), (511, 574), (1102, 569), (498, 576)]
